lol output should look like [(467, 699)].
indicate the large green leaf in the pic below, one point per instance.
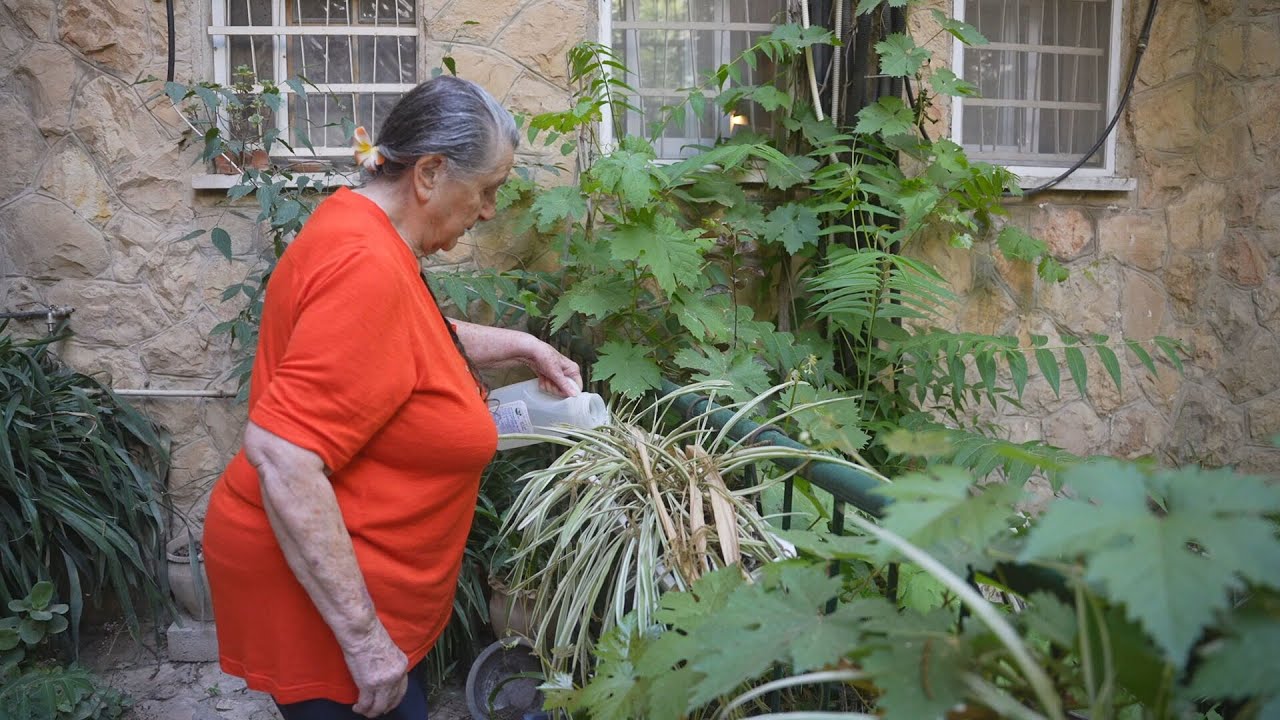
[(673, 255), (1173, 569), (629, 368), (900, 56), (887, 116), (628, 175), (1243, 664), (793, 225), (746, 377)]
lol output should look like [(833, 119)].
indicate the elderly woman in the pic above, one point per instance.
[(333, 540)]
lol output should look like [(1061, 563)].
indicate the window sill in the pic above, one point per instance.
[(215, 181), (1081, 183)]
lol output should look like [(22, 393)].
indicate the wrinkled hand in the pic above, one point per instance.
[(557, 374), (380, 670)]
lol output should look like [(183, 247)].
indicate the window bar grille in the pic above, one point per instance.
[(281, 69)]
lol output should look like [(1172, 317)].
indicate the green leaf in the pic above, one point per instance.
[(627, 175), (1143, 356), (1109, 361), (596, 297), (746, 377), (706, 317), (900, 56), (920, 672), (836, 425), (57, 624), (1174, 568), (793, 225), (1079, 370), (961, 31), (192, 235), (1170, 347), (1016, 244), (41, 595), (937, 511), (771, 98), (222, 241), (887, 116), (946, 82), (9, 638), (1017, 369), (1049, 368), (1243, 664), (628, 368), (552, 206), (1050, 270), (1051, 618), (31, 631), (674, 256)]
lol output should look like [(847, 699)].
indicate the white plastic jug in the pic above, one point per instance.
[(524, 408)]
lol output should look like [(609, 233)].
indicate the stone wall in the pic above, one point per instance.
[(1192, 254), (97, 195)]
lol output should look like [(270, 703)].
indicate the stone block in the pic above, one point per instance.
[(470, 22), (1165, 118), (49, 240), (70, 176), (1262, 49), (1266, 300), (131, 239), (26, 147), (1250, 371), (1258, 461), (84, 24), (1087, 302), (109, 313), (1164, 177), (1260, 7), (1268, 224), (1136, 431), (1136, 239), (1241, 262), (36, 15), (1264, 119), (1142, 306), (1076, 428), (1230, 313), (1226, 47), (13, 45), (112, 122), (1197, 221), (192, 641), (1225, 151), (1185, 278), (1219, 97), (541, 35), (1171, 52), (1068, 232), (987, 310), (489, 68), (1206, 429), (1263, 415), (532, 96), (48, 74), (1215, 10)]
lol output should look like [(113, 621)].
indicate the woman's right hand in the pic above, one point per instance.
[(380, 671)]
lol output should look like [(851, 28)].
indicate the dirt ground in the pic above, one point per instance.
[(164, 690)]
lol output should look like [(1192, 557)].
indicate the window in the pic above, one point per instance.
[(1046, 83), (361, 54), (670, 45)]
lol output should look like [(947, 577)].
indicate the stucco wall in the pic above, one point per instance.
[(1190, 254), (97, 190)]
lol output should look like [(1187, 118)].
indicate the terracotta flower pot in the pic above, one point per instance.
[(509, 614), (187, 579)]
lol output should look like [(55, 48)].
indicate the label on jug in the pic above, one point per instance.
[(512, 417)]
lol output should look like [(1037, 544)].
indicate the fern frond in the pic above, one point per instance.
[(857, 287)]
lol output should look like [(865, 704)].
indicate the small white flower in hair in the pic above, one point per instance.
[(367, 154)]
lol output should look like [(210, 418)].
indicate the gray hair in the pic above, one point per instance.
[(446, 116)]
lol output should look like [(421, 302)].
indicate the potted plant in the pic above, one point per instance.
[(247, 110), (635, 508), (187, 579)]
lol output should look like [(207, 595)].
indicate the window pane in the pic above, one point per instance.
[(667, 49), (353, 59), (251, 51), (321, 115), (1042, 81)]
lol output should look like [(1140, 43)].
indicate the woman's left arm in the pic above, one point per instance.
[(491, 347)]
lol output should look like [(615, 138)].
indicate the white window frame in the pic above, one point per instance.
[(604, 12), (219, 32), (1108, 169)]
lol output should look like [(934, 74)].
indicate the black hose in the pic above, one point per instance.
[(1143, 38), (173, 46)]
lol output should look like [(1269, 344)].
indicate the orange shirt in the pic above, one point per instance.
[(355, 364)]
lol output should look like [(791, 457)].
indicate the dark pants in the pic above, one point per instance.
[(412, 707)]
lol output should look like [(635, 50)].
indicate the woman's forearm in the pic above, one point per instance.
[(307, 522), (492, 347)]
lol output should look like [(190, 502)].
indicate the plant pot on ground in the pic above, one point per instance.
[(187, 577)]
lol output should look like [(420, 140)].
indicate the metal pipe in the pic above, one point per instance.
[(150, 393), (51, 315)]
